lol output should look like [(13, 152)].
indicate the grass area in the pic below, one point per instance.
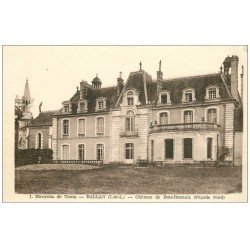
[(129, 180)]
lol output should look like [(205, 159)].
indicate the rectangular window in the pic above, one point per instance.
[(152, 150), (163, 118), (129, 151), (209, 147), (100, 105), (212, 94), (81, 128), (82, 106), (130, 101), (130, 124), (65, 127), (65, 152), (188, 116), (211, 115), (188, 148), (169, 149), (188, 97), (164, 98), (100, 126), (81, 150), (66, 108), (99, 152)]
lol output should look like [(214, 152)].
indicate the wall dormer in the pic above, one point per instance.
[(67, 107), (188, 95), (131, 98), (164, 98), (100, 104), (212, 93)]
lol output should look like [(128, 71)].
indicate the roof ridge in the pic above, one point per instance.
[(189, 76)]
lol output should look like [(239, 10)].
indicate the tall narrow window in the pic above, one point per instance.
[(169, 148), (81, 128), (65, 127), (129, 151), (209, 147), (65, 152), (130, 98), (82, 106), (130, 121), (66, 108), (99, 152), (188, 116), (100, 105), (188, 148), (100, 126), (39, 140), (212, 115), (152, 150), (81, 151), (163, 118), (188, 96)]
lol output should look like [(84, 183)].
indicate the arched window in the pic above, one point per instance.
[(163, 118), (100, 104), (188, 95), (164, 98), (130, 121), (39, 142)]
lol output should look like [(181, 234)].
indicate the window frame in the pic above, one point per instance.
[(159, 116), (183, 149), (131, 118), (85, 126), (65, 144), (37, 138), (217, 113), (103, 148), (77, 151), (96, 124), (183, 115), (188, 91), (62, 128), (132, 152), (100, 100), (217, 91), (167, 93)]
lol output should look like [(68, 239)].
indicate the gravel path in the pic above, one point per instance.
[(40, 167)]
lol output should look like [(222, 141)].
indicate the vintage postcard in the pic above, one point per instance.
[(125, 123)]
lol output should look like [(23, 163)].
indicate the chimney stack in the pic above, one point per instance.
[(242, 82), (120, 85), (159, 72), (231, 63)]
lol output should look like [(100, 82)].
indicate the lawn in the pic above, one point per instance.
[(130, 180)]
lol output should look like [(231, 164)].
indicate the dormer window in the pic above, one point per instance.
[(212, 93), (164, 98), (100, 104), (188, 95), (66, 107), (130, 98), (82, 106)]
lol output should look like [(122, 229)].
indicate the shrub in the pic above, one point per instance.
[(30, 156)]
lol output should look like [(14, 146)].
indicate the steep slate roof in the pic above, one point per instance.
[(43, 119), (91, 96), (238, 119), (199, 83), (175, 87)]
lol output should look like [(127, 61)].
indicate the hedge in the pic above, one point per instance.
[(30, 156)]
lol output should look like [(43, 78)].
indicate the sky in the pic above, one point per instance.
[(54, 72)]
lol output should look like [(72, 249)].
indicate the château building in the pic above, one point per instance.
[(185, 119)]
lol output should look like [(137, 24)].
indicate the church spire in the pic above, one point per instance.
[(26, 95)]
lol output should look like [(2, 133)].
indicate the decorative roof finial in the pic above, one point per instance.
[(160, 65), (221, 68), (140, 65)]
